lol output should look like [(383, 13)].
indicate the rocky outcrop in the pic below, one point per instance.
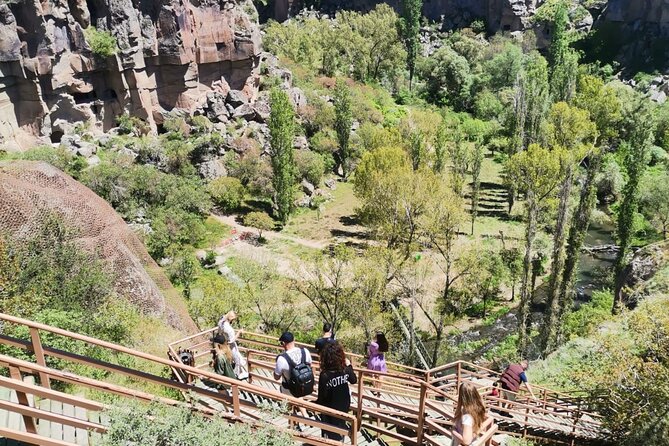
[(505, 15), (171, 53), (636, 280), (31, 191), (638, 32)]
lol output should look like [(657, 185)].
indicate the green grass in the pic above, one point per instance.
[(215, 232), (306, 222)]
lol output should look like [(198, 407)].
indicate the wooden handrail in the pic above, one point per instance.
[(269, 394)]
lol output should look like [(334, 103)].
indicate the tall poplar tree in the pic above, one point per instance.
[(343, 121), (563, 59), (536, 172), (639, 124), (282, 133), (569, 129), (411, 14)]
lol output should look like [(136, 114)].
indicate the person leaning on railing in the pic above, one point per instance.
[(470, 416), (513, 377)]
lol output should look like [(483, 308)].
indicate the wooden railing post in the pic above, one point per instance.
[(458, 378), (575, 418), (358, 415), (235, 400), (39, 356), (527, 413), (29, 421), (249, 364), (421, 413)]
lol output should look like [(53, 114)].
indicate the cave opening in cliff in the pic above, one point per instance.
[(84, 98), (56, 136)]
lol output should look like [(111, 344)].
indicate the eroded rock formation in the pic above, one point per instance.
[(171, 53), (30, 191), (636, 280)]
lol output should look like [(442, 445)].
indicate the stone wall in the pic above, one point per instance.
[(171, 53)]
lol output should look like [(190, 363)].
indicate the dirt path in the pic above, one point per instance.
[(231, 221)]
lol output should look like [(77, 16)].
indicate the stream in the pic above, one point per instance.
[(591, 276)]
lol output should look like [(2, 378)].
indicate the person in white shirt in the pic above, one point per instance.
[(470, 416), (282, 368), (225, 325)]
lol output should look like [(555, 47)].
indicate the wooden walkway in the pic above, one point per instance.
[(406, 405)]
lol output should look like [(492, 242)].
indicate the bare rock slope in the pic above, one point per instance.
[(31, 190), (170, 54)]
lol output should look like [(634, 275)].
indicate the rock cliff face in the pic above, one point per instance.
[(506, 15), (31, 191), (171, 53)]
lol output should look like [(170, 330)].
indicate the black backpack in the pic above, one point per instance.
[(301, 382)]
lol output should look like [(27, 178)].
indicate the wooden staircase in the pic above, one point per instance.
[(404, 406)]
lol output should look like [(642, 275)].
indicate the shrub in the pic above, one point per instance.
[(227, 193), (583, 321), (161, 425), (102, 43), (171, 229), (259, 220), (310, 166)]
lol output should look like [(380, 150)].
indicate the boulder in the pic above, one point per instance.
[(304, 202), (331, 183), (297, 97), (244, 111), (635, 281), (236, 98), (307, 187), (301, 143), (212, 169), (77, 146)]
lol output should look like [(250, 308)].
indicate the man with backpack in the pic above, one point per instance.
[(293, 368)]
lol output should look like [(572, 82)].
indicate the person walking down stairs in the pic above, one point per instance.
[(333, 386), (470, 416), (225, 326)]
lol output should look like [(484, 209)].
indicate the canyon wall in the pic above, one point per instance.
[(170, 54)]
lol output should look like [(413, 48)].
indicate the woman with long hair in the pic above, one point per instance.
[(225, 329), (333, 389), (222, 361), (470, 415), (376, 360)]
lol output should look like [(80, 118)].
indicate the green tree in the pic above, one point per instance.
[(477, 162), (448, 78), (343, 122), (605, 110), (282, 132), (411, 14), (530, 102), (440, 147), (537, 173), (654, 200), (370, 43), (329, 284), (267, 294), (384, 183), (259, 220), (639, 127), (570, 129), (440, 220), (563, 59), (227, 193)]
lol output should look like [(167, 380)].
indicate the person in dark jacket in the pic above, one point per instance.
[(333, 389), (512, 378), (327, 337)]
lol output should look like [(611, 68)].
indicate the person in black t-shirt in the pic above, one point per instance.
[(333, 389), (327, 337)]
